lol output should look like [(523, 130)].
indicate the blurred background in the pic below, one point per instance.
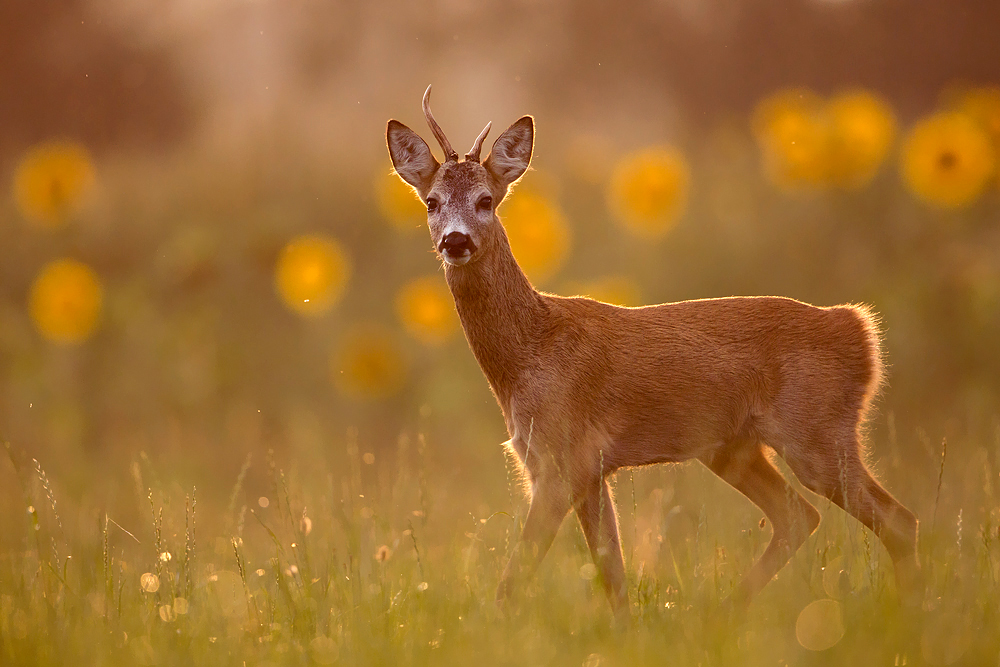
[(204, 254)]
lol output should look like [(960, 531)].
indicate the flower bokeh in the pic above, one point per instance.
[(425, 308), (65, 301), (368, 364), (648, 190), (52, 180), (311, 274), (398, 203), (947, 160), (811, 143), (862, 132), (538, 233)]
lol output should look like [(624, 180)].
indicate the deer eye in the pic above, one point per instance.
[(432, 205), (485, 203)]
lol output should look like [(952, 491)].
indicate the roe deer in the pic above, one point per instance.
[(587, 387)]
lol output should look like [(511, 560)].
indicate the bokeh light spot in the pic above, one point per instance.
[(368, 364), (323, 650), (52, 180), (149, 582), (538, 233), (311, 274), (947, 160), (426, 310), (65, 301), (820, 625), (946, 637), (398, 203), (792, 138), (648, 190), (862, 128)]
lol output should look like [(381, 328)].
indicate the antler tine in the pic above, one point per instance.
[(449, 152), (478, 146)]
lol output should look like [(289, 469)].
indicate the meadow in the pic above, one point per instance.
[(337, 557)]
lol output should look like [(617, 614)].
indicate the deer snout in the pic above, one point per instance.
[(456, 248)]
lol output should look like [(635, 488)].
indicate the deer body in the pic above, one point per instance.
[(587, 388)]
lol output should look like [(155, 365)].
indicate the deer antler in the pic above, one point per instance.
[(449, 152), (476, 147)]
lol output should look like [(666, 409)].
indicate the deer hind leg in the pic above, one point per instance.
[(848, 483), (792, 518), (599, 521), (550, 502)]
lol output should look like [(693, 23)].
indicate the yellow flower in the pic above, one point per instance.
[(862, 128), (425, 308), (648, 190), (947, 159), (538, 233), (398, 203), (983, 105), (52, 180), (65, 301), (793, 138), (311, 274), (617, 290), (368, 364)]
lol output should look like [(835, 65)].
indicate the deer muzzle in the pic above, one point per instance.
[(456, 248)]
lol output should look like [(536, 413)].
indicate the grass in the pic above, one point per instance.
[(365, 561)]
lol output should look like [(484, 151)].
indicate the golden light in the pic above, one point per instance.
[(52, 181), (947, 160), (368, 364), (862, 130), (398, 203), (983, 106), (820, 625), (648, 190), (311, 274), (538, 233), (65, 301), (793, 138), (426, 310)]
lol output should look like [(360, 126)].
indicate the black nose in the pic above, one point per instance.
[(456, 243)]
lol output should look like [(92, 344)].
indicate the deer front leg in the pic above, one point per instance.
[(600, 527), (550, 502)]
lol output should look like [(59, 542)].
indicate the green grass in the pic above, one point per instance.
[(358, 561)]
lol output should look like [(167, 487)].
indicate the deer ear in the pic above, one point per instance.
[(511, 152), (411, 158)]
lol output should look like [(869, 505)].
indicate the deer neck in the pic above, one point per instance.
[(501, 313)]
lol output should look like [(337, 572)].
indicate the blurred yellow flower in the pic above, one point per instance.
[(793, 138), (65, 301), (538, 233), (947, 159), (862, 129), (983, 106), (368, 364), (398, 203), (648, 190), (311, 274), (617, 290), (52, 180), (426, 309)]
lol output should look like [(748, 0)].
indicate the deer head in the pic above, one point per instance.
[(461, 196)]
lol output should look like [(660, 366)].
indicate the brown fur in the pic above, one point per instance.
[(587, 388)]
